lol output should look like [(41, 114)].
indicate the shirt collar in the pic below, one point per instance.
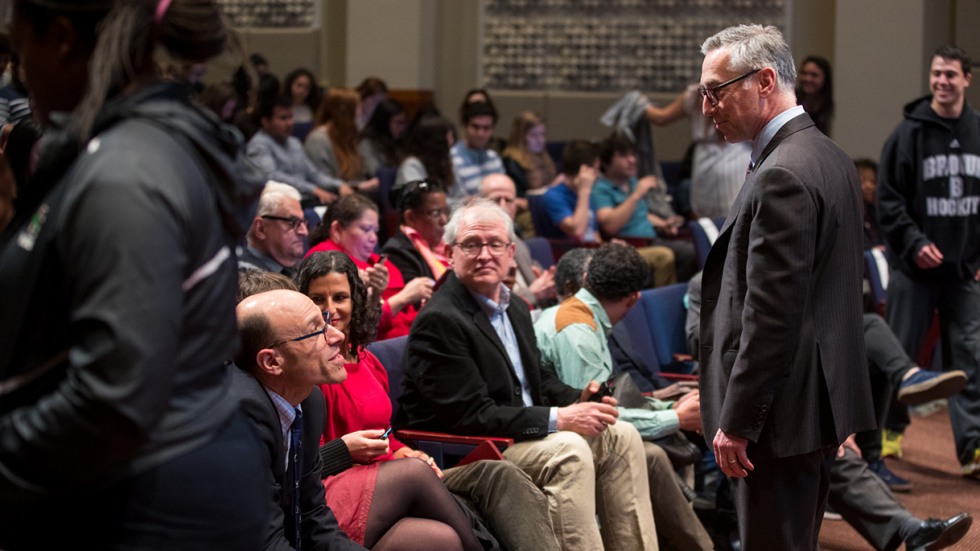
[(490, 307), (773, 126), (597, 310), (271, 264)]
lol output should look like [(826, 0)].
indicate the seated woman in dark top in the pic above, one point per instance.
[(417, 248)]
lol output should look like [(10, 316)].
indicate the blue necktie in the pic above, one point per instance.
[(296, 459)]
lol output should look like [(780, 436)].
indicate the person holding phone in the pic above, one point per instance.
[(358, 410)]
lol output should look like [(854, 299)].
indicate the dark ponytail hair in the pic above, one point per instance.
[(124, 34)]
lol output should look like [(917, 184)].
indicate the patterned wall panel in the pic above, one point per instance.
[(607, 45), (271, 13)]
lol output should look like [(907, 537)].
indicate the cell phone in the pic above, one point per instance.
[(385, 435), (605, 389), (381, 260)]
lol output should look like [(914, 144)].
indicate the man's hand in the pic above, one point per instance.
[(345, 190), (848, 444), (928, 257), (587, 418), (325, 197), (688, 409), (409, 452), (730, 454), (366, 186), (365, 445), (543, 286), (643, 185), (583, 181)]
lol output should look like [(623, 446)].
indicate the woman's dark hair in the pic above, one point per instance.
[(371, 86), (411, 196), (378, 131), (122, 36), (466, 100), (363, 327), (428, 142), (313, 98), (819, 106)]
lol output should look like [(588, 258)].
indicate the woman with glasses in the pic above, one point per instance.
[(413, 509), (417, 248), (352, 227)]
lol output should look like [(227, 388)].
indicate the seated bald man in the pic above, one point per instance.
[(287, 350)]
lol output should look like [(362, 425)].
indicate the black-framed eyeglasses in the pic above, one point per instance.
[(318, 332), (473, 248), (292, 221), (711, 94), (435, 214)]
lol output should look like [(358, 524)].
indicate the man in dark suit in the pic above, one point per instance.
[(784, 380), (472, 367), (287, 349)]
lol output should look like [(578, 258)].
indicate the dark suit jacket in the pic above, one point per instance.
[(318, 525), (459, 379), (782, 351), (403, 254)]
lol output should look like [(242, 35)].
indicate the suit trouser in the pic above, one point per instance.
[(865, 502), (888, 362), (780, 504), (515, 510), (678, 528), (583, 476), (910, 308)]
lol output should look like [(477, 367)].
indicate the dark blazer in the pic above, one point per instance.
[(319, 526), (782, 351), (459, 379), (403, 254)]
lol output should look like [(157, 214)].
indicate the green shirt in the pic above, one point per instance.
[(572, 336)]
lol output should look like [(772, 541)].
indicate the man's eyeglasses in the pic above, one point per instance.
[(473, 248), (711, 94), (318, 332), (293, 222)]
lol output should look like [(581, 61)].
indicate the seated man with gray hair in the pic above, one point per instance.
[(472, 367), (277, 236)]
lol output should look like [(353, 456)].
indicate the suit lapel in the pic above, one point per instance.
[(479, 317)]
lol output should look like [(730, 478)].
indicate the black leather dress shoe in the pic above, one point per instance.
[(939, 534)]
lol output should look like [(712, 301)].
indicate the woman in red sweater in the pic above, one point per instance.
[(414, 506), (352, 226)]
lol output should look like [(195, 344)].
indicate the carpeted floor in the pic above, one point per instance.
[(938, 490)]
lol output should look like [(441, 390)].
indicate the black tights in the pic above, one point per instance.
[(412, 510)]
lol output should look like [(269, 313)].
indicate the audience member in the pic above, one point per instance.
[(352, 224), (572, 337), (868, 173), (332, 145), (927, 211), (15, 106), (782, 380), (526, 159), (568, 206), (815, 91), (381, 140), (287, 350), (413, 509), (527, 278), (359, 409), (372, 91), (417, 248), (118, 294), (857, 492), (717, 167), (280, 155), (427, 153), (481, 95), (301, 88), (472, 157), (259, 63), (276, 239), (472, 367), (622, 204)]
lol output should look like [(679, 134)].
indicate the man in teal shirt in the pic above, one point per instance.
[(572, 336)]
